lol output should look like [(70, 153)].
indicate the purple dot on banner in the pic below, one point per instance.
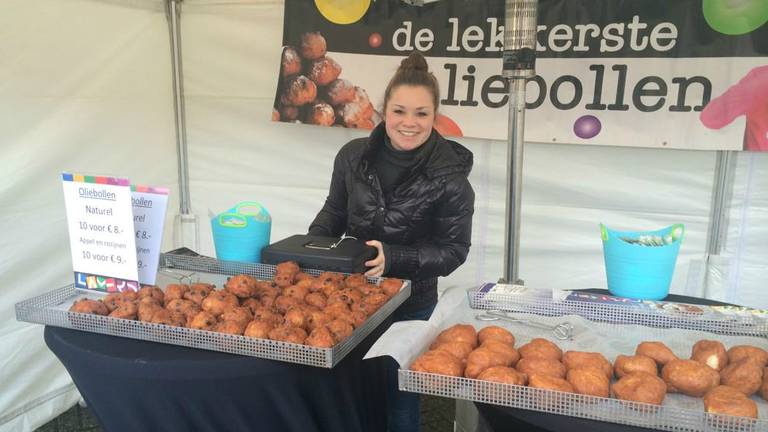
[(587, 126)]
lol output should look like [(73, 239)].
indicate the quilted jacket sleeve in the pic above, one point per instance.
[(331, 221)]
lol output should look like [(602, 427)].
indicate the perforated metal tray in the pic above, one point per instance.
[(540, 302), (672, 416), (51, 308), (576, 405)]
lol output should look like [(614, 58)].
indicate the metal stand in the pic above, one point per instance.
[(515, 139), (519, 61)]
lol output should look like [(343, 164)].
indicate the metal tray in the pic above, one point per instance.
[(679, 413), (665, 315), (52, 307), (576, 405)]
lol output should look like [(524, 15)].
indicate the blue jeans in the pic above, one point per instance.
[(403, 407)]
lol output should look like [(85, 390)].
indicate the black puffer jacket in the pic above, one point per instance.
[(427, 223)]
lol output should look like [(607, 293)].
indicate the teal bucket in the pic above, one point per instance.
[(640, 264), (240, 233)]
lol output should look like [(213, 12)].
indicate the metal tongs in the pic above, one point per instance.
[(562, 331)]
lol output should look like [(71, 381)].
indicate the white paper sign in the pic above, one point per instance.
[(101, 234), (149, 205)]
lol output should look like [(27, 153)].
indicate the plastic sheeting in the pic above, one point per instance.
[(85, 86)]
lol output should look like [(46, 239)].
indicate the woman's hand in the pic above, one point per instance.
[(377, 264)]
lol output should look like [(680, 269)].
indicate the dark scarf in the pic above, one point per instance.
[(394, 166)]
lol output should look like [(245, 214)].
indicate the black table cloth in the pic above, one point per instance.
[(501, 419), (133, 385)]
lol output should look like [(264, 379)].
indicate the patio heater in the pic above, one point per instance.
[(519, 61)]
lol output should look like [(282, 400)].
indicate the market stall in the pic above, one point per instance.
[(89, 88)]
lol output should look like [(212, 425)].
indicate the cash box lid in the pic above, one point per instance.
[(346, 255)]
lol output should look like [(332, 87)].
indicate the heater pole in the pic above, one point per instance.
[(519, 65)]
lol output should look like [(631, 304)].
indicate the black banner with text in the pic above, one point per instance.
[(649, 73)]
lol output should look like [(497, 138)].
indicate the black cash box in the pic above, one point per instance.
[(345, 255)]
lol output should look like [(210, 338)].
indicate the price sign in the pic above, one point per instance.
[(101, 234), (149, 204)]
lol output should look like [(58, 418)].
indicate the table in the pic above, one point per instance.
[(133, 385), (500, 419)]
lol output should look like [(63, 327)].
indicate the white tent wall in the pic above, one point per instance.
[(85, 86), (740, 275), (568, 190)]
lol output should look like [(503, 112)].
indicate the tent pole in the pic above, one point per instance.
[(724, 166), (716, 287), (520, 21), (173, 13), (185, 224)]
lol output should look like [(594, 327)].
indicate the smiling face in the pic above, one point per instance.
[(409, 116)]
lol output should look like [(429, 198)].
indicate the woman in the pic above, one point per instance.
[(404, 189)]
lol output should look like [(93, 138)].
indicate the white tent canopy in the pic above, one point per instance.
[(85, 86)]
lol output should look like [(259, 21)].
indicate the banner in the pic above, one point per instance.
[(684, 74)]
